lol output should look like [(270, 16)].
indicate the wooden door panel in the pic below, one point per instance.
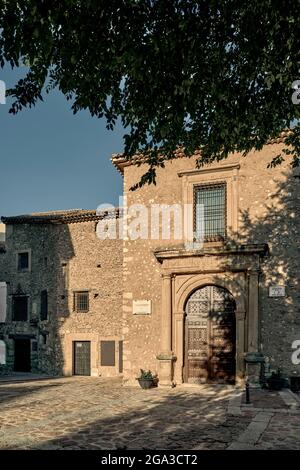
[(198, 351), (210, 336)]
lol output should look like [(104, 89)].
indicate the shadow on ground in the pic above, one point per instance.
[(129, 418), (8, 393)]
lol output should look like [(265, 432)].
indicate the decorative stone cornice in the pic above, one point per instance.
[(197, 171), (182, 252), (166, 275), (253, 272), (166, 357)]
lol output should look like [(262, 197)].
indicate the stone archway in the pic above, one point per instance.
[(182, 273), (183, 288), (210, 336)]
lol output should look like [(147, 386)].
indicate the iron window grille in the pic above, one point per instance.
[(210, 201), (81, 302), (20, 308)]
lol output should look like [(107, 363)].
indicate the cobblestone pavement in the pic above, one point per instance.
[(92, 413)]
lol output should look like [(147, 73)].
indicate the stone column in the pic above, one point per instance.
[(166, 356), (166, 314), (240, 345), (179, 332), (253, 286), (253, 358)]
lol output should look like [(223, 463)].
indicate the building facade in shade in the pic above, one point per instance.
[(155, 297), (230, 307), (64, 295)]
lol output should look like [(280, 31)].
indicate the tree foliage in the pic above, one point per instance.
[(210, 75)]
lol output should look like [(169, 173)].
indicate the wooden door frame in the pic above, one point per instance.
[(74, 362)]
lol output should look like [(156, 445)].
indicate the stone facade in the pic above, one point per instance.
[(66, 256), (261, 251), (139, 288)]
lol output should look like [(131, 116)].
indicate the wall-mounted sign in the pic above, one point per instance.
[(141, 307), (277, 291)]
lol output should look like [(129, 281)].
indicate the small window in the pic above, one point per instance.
[(44, 305), (210, 212), (23, 261), (20, 308), (81, 302)]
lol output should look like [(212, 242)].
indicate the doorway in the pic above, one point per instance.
[(22, 359), (210, 333), (82, 358)]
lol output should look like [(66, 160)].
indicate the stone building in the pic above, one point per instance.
[(64, 295), (213, 302), (2, 297), (231, 305)]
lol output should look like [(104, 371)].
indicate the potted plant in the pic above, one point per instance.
[(146, 379), (276, 381)]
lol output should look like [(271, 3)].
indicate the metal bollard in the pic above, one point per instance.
[(247, 393)]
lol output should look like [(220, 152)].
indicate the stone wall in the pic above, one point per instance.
[(265, 209), (64, 258)]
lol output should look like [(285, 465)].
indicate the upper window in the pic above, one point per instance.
[(20, 308), (81, 301), (44, 305), (23, 261), (210, 212)]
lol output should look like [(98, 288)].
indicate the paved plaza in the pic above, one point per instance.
[(95, 413)]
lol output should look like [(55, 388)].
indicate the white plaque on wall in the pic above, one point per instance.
[(141, 307), (277, 291)]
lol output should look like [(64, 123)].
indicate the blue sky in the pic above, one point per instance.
[(51, 159)]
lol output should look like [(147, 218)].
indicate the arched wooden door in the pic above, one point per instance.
[(210, 336)]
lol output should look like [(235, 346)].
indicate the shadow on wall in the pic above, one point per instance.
[(51, 251), (59, 303), (277, 223)]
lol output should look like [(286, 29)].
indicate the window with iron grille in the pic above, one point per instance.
[(20, 308), (81, 301), (210, 212), (44, 305)]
